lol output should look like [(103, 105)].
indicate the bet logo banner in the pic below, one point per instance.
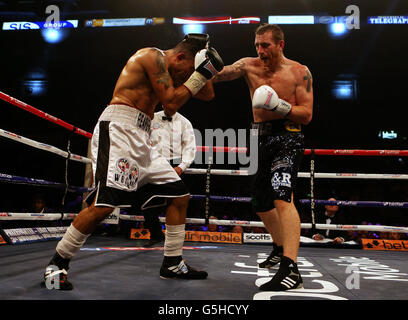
[(383, 244)]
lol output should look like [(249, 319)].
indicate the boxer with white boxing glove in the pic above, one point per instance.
[(282, 101), (122, 135), (265, 97)]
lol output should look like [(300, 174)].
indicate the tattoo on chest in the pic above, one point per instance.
[(163, 76), (308, 77)]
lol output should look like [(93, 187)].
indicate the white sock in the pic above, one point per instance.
[(71, 242), (173, 244)]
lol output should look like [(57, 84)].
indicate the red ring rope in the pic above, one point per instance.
[(43, 115), (331, 152)]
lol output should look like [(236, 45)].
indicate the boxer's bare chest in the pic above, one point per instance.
[(283, 81)]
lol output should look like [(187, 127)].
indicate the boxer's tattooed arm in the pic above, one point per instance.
[(308, 77), (239, 65), (231, 72), (163, 76)]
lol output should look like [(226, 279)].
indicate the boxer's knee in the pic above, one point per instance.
[(100, 213), (91, 215), (180, 203)]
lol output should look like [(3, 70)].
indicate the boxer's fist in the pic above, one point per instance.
[(207, 63), (265, 97)]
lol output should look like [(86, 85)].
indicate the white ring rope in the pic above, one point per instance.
[(43, 146), (220, 172), (385, 176), (70, 216)]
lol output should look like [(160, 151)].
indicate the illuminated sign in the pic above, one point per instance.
[(388, 134), (26, 25), (216, 20), (388, 20), (300, 19), (127, 22), (291, 19)]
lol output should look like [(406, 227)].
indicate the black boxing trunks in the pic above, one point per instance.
[(280, 152), (128, 171)]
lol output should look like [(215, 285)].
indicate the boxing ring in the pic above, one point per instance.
[(118, 268)]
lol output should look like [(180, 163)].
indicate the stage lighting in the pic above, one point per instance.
[(337, 29), (54, 35), (193, 28), (344, 89)]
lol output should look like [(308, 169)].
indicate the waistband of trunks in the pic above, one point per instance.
[(275, 127), (126, 115)]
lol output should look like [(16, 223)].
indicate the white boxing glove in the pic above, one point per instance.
[(265, 97), (207, 63)]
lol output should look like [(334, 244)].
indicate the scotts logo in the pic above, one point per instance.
[(127, 174)]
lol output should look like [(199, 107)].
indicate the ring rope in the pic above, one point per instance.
[(43, 146), (220, 198), (43, 115), (379, 204), (8, 178), (82, 132), (70, 216), (36, 216), (321, 175), (31, 181), (223, 172), (322, 152), (386, 204)]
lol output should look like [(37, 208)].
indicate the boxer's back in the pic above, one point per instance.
[(133, 87)]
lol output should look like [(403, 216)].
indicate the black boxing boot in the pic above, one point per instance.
[(274, 258), (175, 267), (287, 277), (55, 276)]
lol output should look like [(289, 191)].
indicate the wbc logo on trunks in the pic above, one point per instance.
[(126, 174)]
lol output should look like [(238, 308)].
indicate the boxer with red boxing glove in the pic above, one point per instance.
[(282, 101)]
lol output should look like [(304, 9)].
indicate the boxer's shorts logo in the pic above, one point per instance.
[(127, 174), (281, 180), (123, 165)]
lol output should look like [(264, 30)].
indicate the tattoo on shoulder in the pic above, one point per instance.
[(308, 77), (163, 76), (239, 65)]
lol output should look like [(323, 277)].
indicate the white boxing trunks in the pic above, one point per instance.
[(127, 170)]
